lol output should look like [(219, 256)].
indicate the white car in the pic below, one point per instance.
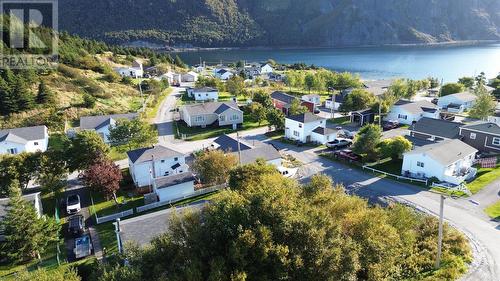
[(73, 204), (339, 143)]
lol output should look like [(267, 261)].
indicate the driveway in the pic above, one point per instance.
[(164, 119)]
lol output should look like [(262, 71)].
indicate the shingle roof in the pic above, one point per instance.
[(464, 97), (227, 143), (283, 97), (205, 90), (416, 107), (377, 87), (165, 182), (324, 131), (142, 155), (417, 142), (305, 117), (23, 134), (97, 122), (446, 152), (266, 152), (486, 127), (437, 127), (210, 107)]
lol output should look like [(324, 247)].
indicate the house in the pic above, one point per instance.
[(266, 68), (308, 128), (171, 77), (203, 94), (174, 187), (435, 129), (457, 103), (407, 112), (136, 71), (230, 144), (147, 164), (103, 123), (265, 152), (223, 74), (276, 77), (34, 198), (26, 139), (449, 161), (495, 118), (335, 101), (363, 117), (220, 113), (191, 76), (484, 136), (315, 99), (377, 87), (283, 101)]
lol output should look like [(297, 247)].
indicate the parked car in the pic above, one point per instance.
[(83, 247), (339, 143), (347, 155), (389, 125), (76, 225), (317, 111), (73, 204)]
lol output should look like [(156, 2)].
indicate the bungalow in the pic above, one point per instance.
[(172, 78), (276, 77), (34, 198), (174, 187), (457, 103), (220, 113), (484, 136), (103, 123), (315, 99), (266, 68), (307, 128), (435, 129), (136, 71), (230, 144), (147, 164), (407, 112), (26, 139), (203, 94), (223, 74), (449, 161), (363, 117), (191, 76), (378, 87), (283, 101)]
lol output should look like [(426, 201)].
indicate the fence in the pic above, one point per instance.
[(395, 176), (173, 201), (114, 216)]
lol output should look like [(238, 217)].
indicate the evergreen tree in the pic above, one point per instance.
[(26, 235), (8, 102), (24, 96), (44, 94)]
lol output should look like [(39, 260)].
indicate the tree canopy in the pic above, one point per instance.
[(485, 104), (358, 99), (213, 166), (367, 140), (451, 88), (132, 134)]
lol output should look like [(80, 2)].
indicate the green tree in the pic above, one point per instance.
[(52, 171), (250, 175), (62, 273), (21, 168), (178, 62), (310, 81), (24, 96), (84, 149), (395, 147), (451, 88), (132, 134), (358, 99), (235, 85), (468, 82), (276, 119), (8, 101), (346, 80), (27, 236), (44, 95), (367, 140), (104, 176), (213, 166), (484, 106), (258, 112), (88, 101), (263, 98), (297, 108)]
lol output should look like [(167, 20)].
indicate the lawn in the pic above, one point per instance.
[(49, 261), (485, 176), (56, 141), (340, 120), (116, 155), (390, 166), (105, 207), (198, 133), (493, 210)]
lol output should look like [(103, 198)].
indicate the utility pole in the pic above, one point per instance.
[(333, 102), (118, 238), (440, 232), (380, 113), (239, 148)]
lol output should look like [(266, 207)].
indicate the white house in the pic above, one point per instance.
[(223, 74), (191, 76), (204, 94), (147, 164), (266, 68), (307, 128), (457, 103), (136, 71), (315, 99), (33, 198), (495, 118), (171, 77), (103, 123), (449, 161), (407, 112), (26, 139), (174, 187), (205, 114)]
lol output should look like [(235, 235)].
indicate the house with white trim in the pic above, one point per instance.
[(484, 136), (25, 139), (408, 112), (205, 114), (203, 94), (308, 128), (135, 71), (223, 74), (191, 76), (174, 187), (457, 103), (102, 124)]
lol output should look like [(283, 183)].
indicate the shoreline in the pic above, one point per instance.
[(264, 48)]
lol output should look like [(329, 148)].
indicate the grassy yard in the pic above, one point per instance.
[(340, 120), (116, 155), (390, 166), (56, 141), (151, 111), (103, 207), (493, 211), (49, 261), (485, 176)]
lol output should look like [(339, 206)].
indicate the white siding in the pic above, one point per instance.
[(140, 172), (205, 96), (294, 131), (175, 191)]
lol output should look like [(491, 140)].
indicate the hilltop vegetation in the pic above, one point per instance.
[(283, 22)]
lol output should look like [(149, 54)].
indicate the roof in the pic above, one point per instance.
[(266, 152), (464, 96), (204, 90), (312, 96), (365, 112), (165, 182), (24, 134), (210, 107), (437, 127), (283, 97), (446, 152), (417, 142), (227, 143), (305, 117), (99, 121), (324, 131), (416, 107), (485, 127), (29, 197), (377, 87), (142, 155)]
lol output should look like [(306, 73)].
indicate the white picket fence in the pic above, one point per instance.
[(113, 217), (395, 176)]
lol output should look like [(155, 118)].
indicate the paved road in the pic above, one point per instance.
[(164, 120)]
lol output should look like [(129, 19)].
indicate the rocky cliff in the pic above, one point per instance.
[(212, 23)]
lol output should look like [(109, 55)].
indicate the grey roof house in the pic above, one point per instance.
[(435, 129), (102, 123), (26, 139), (212, 113), (484, 136)]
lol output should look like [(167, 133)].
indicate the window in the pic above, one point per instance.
[(234, 117), (295, 133), (162, 161), (36, 143), (12, 150), (176, 159), (472, 136), (167, 173), (496, 141), (420, 164), (199, 119), (401, 116), (222, 118), (300, 125)]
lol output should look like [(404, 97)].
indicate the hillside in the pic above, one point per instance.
[(282, 22)]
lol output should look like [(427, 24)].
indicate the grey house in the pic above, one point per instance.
[(103, 123), (435, 129), (218, 113), (484, 136)]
